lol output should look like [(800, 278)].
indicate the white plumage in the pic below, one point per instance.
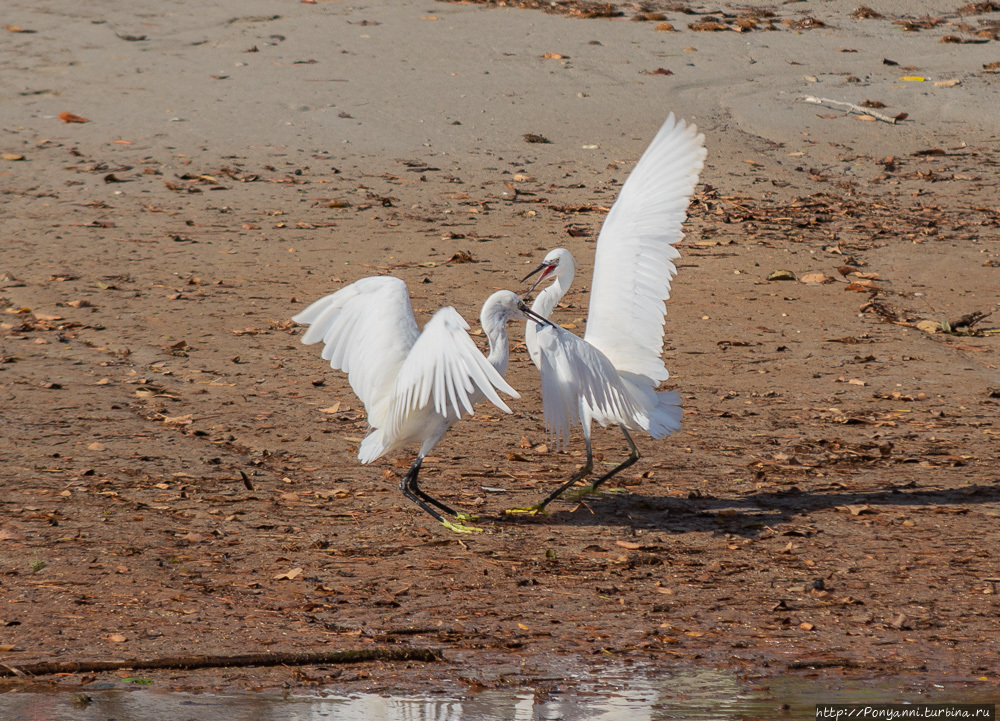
[(611, 374), (413, 385)]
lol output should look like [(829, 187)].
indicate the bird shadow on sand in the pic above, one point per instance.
[(750, 514)]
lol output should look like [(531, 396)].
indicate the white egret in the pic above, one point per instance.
[(414, 385), (612, 373)]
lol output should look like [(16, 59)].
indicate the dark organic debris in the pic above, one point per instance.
[(365, 655)]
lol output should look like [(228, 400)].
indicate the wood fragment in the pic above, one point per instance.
[(363, 655), (246, 481), (851, 107), (970, 319)]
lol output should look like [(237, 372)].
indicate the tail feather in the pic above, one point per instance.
[(666, 417), (373, 446)]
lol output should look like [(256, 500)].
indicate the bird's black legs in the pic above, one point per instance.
[(582, 473), (579, 475), (423, 499), (633, 456), (416, 494)]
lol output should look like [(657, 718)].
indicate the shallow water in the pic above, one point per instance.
[(694, 695)]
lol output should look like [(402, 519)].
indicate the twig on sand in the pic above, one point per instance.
[(253, 659), (851, 107)]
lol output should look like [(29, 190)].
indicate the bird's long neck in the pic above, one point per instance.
[(549, 298), (495, 327), (544, 304)]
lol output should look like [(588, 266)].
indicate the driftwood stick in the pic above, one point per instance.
[(851, 107), (969, 320), (252, 659)]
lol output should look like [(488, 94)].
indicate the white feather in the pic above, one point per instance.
[(580, 384), (414, 385), (634, 262)]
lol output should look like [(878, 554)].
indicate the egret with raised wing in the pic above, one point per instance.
[(413, 385), (611, 375)]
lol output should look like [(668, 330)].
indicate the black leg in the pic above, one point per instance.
[(412, 491), (579, 475), (633, 456)]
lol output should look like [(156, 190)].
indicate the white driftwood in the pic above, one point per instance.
[(851, 107)]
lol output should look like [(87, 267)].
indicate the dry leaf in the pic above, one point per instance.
[(117, 638), (178, 420), (782, 275), (289, 575), (555, 56), (71, 118), (95, 446), (815, 278), (630, 545), (338, 492)]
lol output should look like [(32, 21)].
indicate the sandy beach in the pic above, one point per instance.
[(180, 472)]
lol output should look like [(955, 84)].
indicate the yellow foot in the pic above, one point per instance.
[(530, 510), (575, 494), (462, 517), (458, 527)]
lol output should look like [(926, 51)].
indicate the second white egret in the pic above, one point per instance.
[(611, 375)]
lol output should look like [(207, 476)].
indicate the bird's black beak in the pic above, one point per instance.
[(544, 269), (535, 317)]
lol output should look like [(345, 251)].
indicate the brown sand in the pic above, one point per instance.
[(833, 496)]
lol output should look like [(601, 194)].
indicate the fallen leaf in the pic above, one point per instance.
[(857, 510), (555, 56), (117, 638), (782, 275), (332, 409), (815, 278), (630, 545), (178, 420), (95, 446), (338, 492), (12, 156), (806, 626), (289, 575), (71, 118)]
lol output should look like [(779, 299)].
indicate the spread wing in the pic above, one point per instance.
[(367, 330), (444, 367), (579, 383), (634, 263)]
